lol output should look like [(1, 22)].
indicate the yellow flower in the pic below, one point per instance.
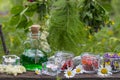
[(112, 22), (104, 71), (69, 73), (37, 71), (118, 54), (103, 40), (106, 22), (78, 70), (90, 36), (46, 16), (107, 63), (11, 39), (87, 27), (110, 32)]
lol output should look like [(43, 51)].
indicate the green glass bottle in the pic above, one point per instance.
[(33, 57)]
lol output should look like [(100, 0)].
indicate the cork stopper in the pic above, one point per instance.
[(35, 30)]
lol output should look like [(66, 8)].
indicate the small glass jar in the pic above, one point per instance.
[(90, 62), (10, 60), (113, 60), (50, 68), (64, 59)]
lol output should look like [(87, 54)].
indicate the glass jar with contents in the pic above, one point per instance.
[(10, 60), (64, 59), (50, 68), (90, 62), (113, 60)]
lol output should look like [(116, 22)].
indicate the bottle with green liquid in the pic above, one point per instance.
[(33, 56)]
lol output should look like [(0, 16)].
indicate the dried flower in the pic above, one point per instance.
[(38, 72), (10, 69)]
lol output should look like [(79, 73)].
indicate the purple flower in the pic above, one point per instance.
[(114, 56), (106, 55), (107, 60)]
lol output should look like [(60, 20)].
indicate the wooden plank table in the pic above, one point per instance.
[(33, 76)]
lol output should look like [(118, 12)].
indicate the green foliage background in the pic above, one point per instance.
[(66, 32), (13, 37), (93, 15), (106, 40)]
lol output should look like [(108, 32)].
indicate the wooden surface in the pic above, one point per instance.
[(33, 76)]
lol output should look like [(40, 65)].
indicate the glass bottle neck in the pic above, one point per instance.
[(34, 36)]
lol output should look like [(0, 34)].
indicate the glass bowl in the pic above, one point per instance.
[(90, 62), (64, 59), (10, 59), (113, 60), (50, 68)]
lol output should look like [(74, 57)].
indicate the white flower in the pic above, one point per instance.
[(44, 43), (21, 69), (2, 68), (10, 69), (44, 35), (104, 71), (79, 69), (14, 72), (69, 73), (45, 46)]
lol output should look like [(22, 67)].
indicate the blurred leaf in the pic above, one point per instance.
[(17, 2), (14, 20), (106, 4), (24, 11), (29, 23), (31, 9), (23, 22), (16, 9), (108, 7), (93, 14), (29, 13)]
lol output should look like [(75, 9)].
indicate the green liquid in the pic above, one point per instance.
[(29, 62)]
